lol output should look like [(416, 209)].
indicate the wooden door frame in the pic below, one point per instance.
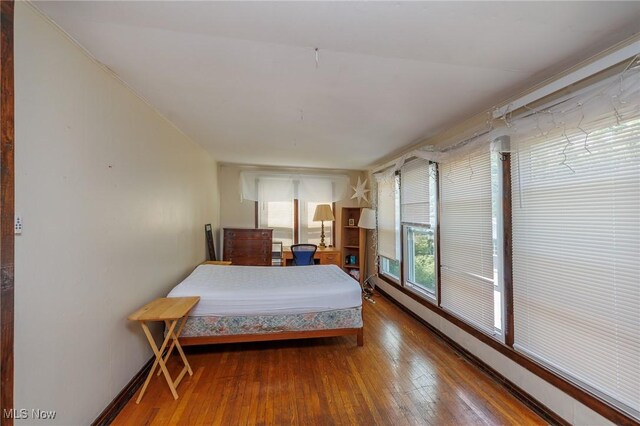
[(7, 192)]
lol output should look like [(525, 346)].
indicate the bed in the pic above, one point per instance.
[(254, 303)]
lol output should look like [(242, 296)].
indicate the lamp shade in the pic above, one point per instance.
[(367, 219), (323, 212)]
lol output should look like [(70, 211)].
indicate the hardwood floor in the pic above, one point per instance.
[(403, 375)]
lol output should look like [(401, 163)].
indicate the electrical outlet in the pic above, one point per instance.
[(17, 229)]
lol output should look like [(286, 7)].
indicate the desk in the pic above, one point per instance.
[(216, 262), (170, 310), (323, 256)]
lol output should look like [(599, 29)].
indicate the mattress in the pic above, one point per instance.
[(268, 290), (272, 324)]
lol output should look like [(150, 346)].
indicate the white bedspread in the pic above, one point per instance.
[(263, 290)]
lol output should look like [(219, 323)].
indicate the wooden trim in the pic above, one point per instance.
[(507, 271), (437, 239), (256, 214), (333, 226), (7, 212), (296, 221), (288, 335), (112, 410), (539, 408), (582, 395)]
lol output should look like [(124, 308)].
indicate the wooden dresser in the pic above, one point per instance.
[(248, 246)]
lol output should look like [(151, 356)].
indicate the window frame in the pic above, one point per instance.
[(505, 346), (408, 254), (381, 269), (296, 221)]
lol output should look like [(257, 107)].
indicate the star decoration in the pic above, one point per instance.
[(359, 191)]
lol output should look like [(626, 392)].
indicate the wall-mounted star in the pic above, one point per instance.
[(359, 191)]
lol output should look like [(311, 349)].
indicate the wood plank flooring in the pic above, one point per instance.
[(403, 375)]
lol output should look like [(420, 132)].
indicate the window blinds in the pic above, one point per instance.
[(466, 243), (414, 187), (576, 257), (279, 216), (388, 230)]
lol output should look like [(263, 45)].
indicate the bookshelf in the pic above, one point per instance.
[(352, 242)]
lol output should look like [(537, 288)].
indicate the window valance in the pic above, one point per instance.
[(279, 186)]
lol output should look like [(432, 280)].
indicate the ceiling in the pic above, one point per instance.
[(241, 79)]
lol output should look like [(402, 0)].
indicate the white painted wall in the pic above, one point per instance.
[(562, 404), (113, 200)]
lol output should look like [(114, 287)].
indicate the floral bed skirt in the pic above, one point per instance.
[(263, 324)]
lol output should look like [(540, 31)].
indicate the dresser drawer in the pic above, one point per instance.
[(248, 234), (253, 250), (330, 258)]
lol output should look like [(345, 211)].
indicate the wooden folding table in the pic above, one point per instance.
[(170, 310)]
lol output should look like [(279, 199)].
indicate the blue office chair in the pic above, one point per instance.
[(303, 254)]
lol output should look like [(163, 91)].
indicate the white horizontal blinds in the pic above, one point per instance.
[(275, 196), (576, 256), (388, 229), (414, 197), (466, 244)]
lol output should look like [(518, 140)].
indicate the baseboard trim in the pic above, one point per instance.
[(542, 410), (112, 410)]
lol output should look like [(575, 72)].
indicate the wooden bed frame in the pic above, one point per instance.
[(242, 338)]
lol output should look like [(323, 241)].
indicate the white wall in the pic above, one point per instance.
[(113, 200)]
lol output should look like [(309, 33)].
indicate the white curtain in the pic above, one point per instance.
[(275, 189), (302, 186)]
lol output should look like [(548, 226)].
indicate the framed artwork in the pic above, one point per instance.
[(352, 222)]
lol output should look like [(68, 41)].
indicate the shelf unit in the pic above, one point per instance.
[(353, 241)]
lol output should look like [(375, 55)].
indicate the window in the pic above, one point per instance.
[(576, 245), (574, 233), (420, 256), (310, 230), (313, 192), (287, 202), (417, 207), (389, 226), (390, 268), (279, 216), (468, 241)]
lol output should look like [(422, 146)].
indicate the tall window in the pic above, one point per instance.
[(389, 226), (311, 193), (287, 202), (418, 227), (576, 251), (309, 229), (279, 216), (468, 238), (275, 207)]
